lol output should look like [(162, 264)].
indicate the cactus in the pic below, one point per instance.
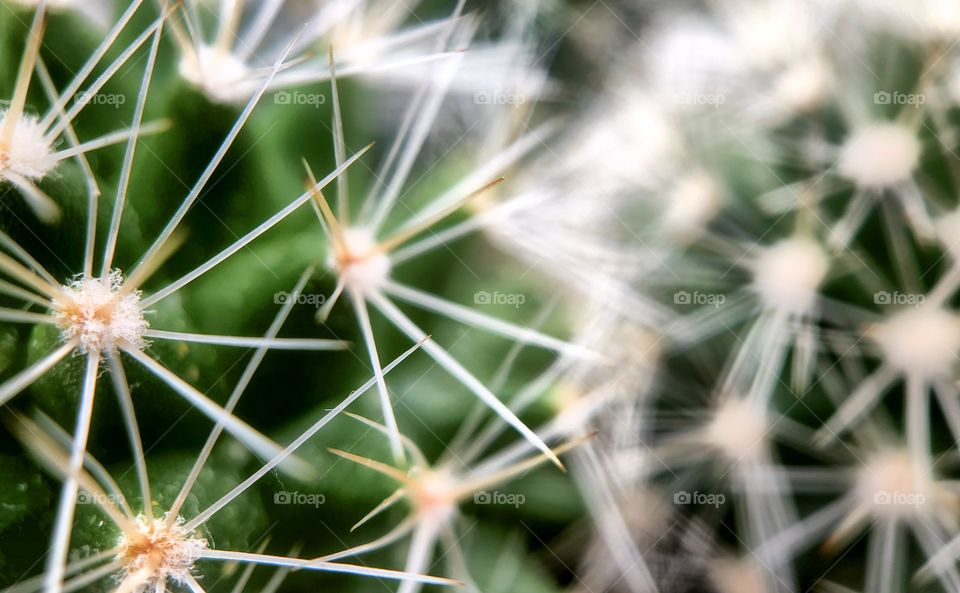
[(508, 297)]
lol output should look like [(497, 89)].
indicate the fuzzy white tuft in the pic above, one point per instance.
[(772, 34), (159, 552), (927, 21), (738, 429), (948, 232), (891, 484), (788, 275), (942, 15), (30, 153), (219, 74), (99, 314), (693, 203), (736, 576), (803, 86), (433, 494), (921, 342), (880, 155), (361, 266)]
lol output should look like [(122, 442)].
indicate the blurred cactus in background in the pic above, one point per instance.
[(518, 297)]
